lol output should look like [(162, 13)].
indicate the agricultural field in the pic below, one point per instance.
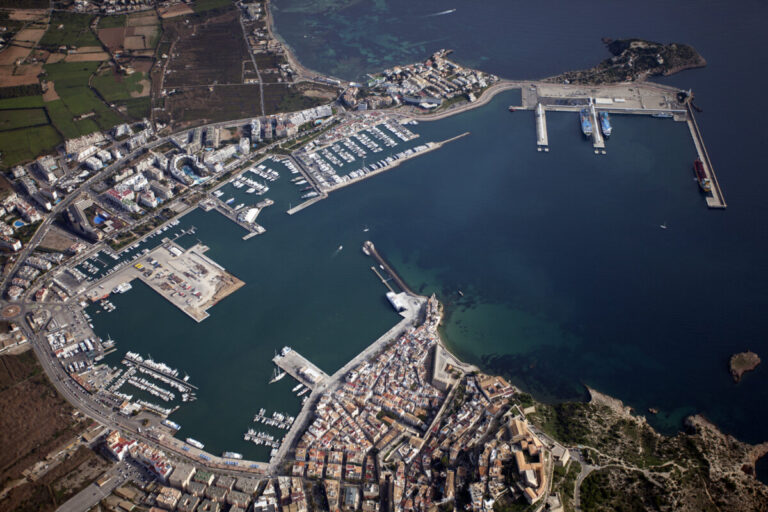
[(25, 144), (209, 52), (77, 99), (13, 119), (69, 29), (207, 5), (115, 87), (21, 102), (220, 104), (133, 35)]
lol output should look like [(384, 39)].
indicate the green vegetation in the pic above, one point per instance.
[(22, 118), (112, 21), (293, 101), (25, 233), (20, 90), (137, 108), (565, 421), (114, 87), (595, 491), (77, 98), (564, 480), (207, 5), (21, 102), (25, 144), (69, 29)]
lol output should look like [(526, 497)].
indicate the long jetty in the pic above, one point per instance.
[(368, 246), (716, 198), (431, 146)]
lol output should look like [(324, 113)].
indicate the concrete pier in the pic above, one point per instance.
[(371, 250), (597, 134), (301, 369), (542, 140), (715, 199)]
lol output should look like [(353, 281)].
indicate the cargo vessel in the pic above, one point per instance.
[(195, 443), (586, 123), (605, 123), (701, 176)]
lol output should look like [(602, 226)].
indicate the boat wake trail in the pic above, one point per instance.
[(441, 13)]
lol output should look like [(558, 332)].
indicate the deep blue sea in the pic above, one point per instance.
[(567, 278)]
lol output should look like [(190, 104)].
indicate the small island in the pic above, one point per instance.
[(636, 60), (743, 362)]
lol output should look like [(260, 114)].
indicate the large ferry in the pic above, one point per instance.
[(605, 123), (195, 443), (701, 176), (586, 123)]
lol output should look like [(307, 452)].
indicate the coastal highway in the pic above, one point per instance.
[(90, 406)]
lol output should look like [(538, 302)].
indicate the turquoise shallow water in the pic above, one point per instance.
[(567, 278)]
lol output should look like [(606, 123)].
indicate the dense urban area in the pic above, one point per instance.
[(117, 119)]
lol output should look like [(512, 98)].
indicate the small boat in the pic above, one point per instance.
[(663, 226), (511, 108), (653, 410), (276, 376), (366, 229), (340, 248), (461, 293)]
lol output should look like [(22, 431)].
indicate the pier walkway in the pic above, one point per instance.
[(368, 246), (542, 139), (597, 134), (716, 198), (301, 369)]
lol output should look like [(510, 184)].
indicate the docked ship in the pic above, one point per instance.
[(586, 123), (195, 443), (232, 455), (701, 176), (605, 123), (171, 424)]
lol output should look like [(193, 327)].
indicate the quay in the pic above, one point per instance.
[(187, 279), (597, 134), (430, 146), (716, 198), (542, 139), (300, 368), (305, 204)]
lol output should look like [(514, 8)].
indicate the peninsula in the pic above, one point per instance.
[(635, 60)]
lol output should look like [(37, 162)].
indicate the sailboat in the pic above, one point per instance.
[(276, 375)]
